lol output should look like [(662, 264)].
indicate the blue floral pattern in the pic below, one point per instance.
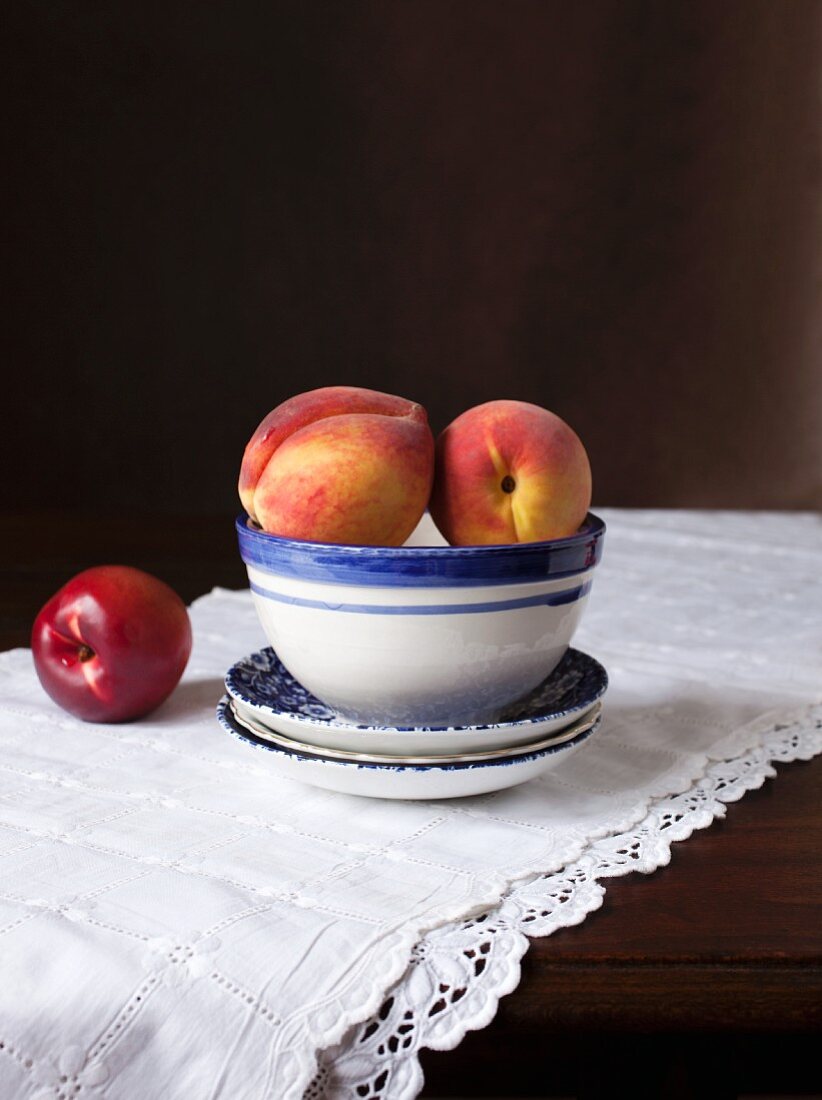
[(263, 682)]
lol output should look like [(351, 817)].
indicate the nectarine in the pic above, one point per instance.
[(112, 644)]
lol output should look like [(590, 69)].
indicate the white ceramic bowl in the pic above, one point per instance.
[(415, 635)]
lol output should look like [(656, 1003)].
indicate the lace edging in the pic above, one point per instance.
[(458, 972)]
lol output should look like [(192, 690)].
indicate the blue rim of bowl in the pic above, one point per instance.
[(226, 720), (422, 566), (596, 674)]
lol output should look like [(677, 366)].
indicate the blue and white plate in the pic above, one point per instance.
[(410, 781), (265, 692)]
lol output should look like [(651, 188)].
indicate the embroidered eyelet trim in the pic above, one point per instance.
[(458, 972)]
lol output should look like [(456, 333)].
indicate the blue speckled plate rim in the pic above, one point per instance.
[(329, 723), (226, 720)]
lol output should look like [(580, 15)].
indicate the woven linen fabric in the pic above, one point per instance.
[(175, 921)]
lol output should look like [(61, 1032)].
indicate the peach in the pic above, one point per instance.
[(340, 464), (509, 471)]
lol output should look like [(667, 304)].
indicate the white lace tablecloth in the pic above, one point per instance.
[(177, 923)]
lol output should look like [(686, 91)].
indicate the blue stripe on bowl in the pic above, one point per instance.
[(422, 566), (549, 599), (227, 721)]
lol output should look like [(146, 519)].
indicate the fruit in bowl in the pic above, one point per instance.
[(112, 644), (340, 465), (507, 472), (334, 480)]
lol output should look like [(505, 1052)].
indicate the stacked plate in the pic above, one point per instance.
[(265, 707)]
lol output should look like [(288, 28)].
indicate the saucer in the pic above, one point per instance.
[(266, 693), (380, 779), (264, 733)]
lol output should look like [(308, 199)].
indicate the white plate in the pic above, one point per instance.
[(266, 693), (264, 733), (407, 781)]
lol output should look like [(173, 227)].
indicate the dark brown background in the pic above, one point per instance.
[(611, 208)]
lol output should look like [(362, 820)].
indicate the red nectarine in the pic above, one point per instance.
[(112, 644)]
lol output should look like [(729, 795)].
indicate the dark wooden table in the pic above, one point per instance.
[(702, 980)]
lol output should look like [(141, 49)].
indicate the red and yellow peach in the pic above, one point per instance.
[(341, 465), (508, 472)]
